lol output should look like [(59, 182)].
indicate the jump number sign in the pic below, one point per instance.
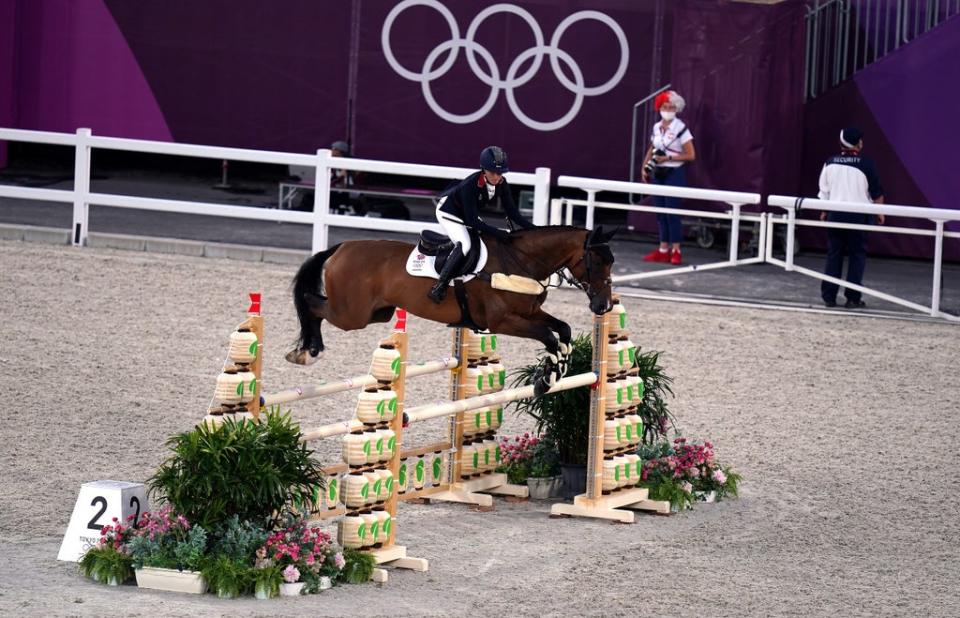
[(98, 503)]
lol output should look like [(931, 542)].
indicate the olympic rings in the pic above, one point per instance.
[(492, 76)]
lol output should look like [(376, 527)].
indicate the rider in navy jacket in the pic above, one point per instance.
[(459, 209)]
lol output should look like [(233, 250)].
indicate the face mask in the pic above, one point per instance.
[(668, 115)]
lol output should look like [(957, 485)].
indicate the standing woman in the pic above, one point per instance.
[(671, 148)]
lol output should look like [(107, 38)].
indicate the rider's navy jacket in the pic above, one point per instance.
[(467, 197)]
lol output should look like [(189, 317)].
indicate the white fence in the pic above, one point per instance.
[(939, 216), (562, 211), (544, 211), (321, 219)]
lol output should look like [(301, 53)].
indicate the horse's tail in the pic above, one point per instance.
[(308, 290)]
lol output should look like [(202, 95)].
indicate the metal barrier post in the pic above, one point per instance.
[(735, 233), (81, 188), (937, 269), (791, 230)]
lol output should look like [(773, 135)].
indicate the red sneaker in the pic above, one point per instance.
[(675, 257), (657, 256)]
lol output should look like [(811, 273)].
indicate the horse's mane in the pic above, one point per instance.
[(547, 228)]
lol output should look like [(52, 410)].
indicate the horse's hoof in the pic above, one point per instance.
[(302, 357)]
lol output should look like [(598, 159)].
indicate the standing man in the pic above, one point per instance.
[(848, 177)]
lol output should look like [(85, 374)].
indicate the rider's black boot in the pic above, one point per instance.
[(450, 268)]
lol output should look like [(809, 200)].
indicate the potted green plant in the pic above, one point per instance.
[(228, 571), (168, 551), (544, 479), (109, 561), (266, 581), (563, 417), (358, 567), (227, 577), (251, 470)]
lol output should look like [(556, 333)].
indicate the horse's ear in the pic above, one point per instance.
[(608, 237)]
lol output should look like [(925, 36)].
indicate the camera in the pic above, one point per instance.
[(651, 167)]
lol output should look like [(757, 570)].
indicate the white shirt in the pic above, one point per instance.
[(667, 140)]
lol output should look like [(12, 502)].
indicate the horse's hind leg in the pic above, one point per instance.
[(310, 348)]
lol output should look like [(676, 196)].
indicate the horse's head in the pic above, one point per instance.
[(592, 271)]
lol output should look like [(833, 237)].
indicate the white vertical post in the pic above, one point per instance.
[(735, 232), (81, 188), (591, 200), (762, 239), (541, 196), (321, 202), (556, 212), (791, 229), (568, 213), (937, 269)]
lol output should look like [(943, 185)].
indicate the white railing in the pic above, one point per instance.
[(321, 219), (545, 212), (562, 212), (539, 180), (939, 216)]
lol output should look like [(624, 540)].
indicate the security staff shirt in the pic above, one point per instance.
[(850, 177)]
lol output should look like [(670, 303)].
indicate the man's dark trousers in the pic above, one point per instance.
[(854, 244)]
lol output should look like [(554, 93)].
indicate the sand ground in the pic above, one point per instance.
[(844, 429)]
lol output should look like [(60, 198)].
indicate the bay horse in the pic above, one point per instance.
[(361, 282)]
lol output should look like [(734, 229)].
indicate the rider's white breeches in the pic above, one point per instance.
[(454, 228)]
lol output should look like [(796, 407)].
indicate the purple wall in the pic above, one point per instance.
[(244, 73), (8, 43), (740, 69), (297, 74), (74, 69), (394, 120), (906, 105)]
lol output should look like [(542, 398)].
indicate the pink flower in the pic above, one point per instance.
[(339, 561), (687, 487), (720, 477), (291, 574)]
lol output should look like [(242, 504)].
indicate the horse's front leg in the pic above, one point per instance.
[(535, 327), (565, 336)]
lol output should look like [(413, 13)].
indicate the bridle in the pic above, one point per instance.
[(565, 271), (587, 258)]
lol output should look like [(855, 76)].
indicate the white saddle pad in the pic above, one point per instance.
[(420, 265)]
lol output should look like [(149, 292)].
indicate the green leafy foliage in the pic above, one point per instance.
[(657, 419), (563, 418), (267, 579), (359, 566), (238, 541), (251, 470), (104, 564), (167, 540), (227, 577)]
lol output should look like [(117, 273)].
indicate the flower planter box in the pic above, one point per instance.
[(292, 590), (542, 488), (172, 580), (705, 496)]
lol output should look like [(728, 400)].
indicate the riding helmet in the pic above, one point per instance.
[(494, 159)]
